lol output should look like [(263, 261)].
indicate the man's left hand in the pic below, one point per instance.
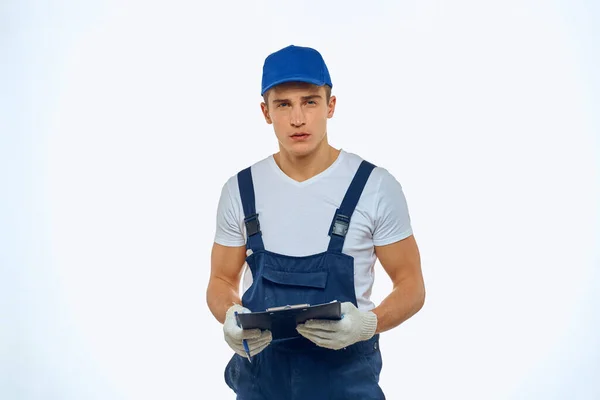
[(354, 326)]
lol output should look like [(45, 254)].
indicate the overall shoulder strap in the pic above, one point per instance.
[(254, 240), (341, 219)]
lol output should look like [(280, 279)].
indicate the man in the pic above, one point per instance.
[(310, 222)]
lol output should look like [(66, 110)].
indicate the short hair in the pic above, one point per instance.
[(327, 91)]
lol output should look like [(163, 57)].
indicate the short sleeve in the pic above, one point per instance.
[(392, 219), (228, 231)]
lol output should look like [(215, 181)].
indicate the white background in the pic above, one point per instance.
[(120, 122)]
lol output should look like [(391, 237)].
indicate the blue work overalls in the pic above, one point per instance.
[(295, 368)]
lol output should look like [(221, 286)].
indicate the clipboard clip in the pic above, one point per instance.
[(288, 307)]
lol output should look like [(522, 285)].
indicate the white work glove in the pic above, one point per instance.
[(355, 326), (257, 340)]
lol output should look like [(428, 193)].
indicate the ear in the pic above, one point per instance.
[(331, 106), (265, 111)]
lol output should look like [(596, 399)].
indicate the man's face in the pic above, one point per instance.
[(299, 114)]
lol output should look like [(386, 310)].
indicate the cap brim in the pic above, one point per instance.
[(294, 79)]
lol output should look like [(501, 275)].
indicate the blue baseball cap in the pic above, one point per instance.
[(294, 64)]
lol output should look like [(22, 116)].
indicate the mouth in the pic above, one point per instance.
[(300, 136)]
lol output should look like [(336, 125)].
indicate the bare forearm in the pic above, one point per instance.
[(221, 295), (405, 300)]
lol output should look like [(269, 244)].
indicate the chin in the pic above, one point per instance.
[(300, 150)]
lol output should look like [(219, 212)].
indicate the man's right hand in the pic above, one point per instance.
[(257, 340)]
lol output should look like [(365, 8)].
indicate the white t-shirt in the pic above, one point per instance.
[(295, 216)]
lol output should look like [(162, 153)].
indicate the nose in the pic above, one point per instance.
[(297, 117)]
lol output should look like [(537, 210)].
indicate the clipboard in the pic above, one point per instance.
[(282, 321)]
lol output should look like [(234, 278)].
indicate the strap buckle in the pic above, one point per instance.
[(340, 224), (252, 224)]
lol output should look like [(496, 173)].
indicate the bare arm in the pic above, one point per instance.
[(401, 261), (225, 274)]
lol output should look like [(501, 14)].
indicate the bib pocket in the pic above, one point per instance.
[(316, 279), (282, 288)]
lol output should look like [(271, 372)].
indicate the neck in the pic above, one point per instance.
[(301, 168)]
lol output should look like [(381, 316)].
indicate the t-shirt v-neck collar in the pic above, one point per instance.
[(311, 180)]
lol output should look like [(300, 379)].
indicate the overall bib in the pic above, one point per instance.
[(295, 368)]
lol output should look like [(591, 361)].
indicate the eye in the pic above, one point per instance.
[(282, 104), (311, 102)]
